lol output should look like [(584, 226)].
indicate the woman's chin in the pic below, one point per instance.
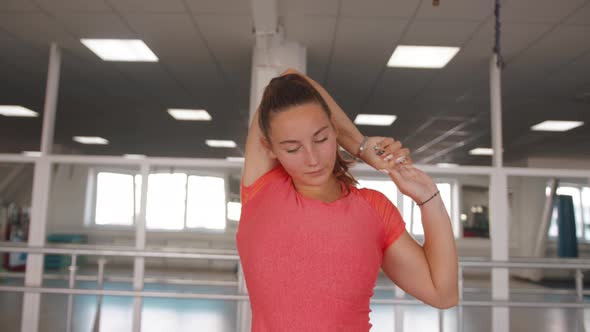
[(316, 179)]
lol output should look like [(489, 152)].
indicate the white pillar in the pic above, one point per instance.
[(271, 55), (139, 262), (498, 205), (40, 198)]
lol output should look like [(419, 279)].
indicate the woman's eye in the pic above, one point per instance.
[(292, 150), (322, 140)]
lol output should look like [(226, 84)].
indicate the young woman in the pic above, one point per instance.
[(311, 243)]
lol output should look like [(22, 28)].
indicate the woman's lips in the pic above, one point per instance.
[(316, 173)]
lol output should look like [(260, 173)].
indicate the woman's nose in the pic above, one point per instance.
[(311, 158)]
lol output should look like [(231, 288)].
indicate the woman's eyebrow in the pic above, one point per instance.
[(320, 130), (289, 141), (296, 141)]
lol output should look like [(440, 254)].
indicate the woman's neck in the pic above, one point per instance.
[(327, 192)]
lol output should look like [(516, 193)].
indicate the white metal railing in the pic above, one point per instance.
[(74, 251)]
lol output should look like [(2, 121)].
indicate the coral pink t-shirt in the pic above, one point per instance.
[(310, 265)]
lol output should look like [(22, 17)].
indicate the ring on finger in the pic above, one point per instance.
[(401, 160)]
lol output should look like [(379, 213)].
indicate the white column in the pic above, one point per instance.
[(498, 205), (139, 262), (40, 197), (271, 55)]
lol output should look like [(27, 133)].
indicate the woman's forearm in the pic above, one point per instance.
[(349, 137), (439, 248)]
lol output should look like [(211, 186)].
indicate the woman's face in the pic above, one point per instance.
[(304, 141)]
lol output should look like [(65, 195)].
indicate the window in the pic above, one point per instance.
[(234, 211), (114, 199), (175, 201), (410, 211), (206, 202), (581, 199)]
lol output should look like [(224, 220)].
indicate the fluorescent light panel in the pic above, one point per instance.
[(553, 125), (131, 50), (408, 56), (214, 143), (375, 119), (236, 159), (32, 153), (189, 115), (90, 140), (17, 111), (481, 152), (447, 165)]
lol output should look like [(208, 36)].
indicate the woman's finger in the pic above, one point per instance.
[(401, 156)]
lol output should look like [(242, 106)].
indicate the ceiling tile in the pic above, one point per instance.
[(95, 25), (439, 33), (308, 7), (149, 6), (361, 50), (538, 11), (231, 42), (17, 5), (222, 7), (456, 10), (38, 29), (582, 16), (74, 5), (316, 33), (169, 35)]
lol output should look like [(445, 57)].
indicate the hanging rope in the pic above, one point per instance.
[(498, 25)]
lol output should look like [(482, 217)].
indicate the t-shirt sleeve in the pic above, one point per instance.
[(249, 192), (393, 223)]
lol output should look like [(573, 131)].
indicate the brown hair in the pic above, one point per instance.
[(291, 90)]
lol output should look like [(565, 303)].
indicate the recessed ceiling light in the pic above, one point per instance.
[(134, 156), (408, 56), (481, 152), (121, 50), (214, 143), (447, 165), (375, 119), (32, 153), (15, 110), (189, 115), (90, 140), (236, 159), (551, 125)]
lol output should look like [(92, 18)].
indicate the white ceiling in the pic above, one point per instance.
[(205, 57)]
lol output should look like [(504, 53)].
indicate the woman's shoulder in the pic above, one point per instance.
[(371, 195), (276, 174)]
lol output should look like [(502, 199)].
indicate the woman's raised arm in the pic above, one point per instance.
[(257, 160)]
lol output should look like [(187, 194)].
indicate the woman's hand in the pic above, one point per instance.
[(388, 156), (412, 182), (292, 71), (384, 153)]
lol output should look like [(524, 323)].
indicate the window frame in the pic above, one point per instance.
[(454, 202), (92, 188)]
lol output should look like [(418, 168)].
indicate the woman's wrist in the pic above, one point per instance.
[(362, 146), (425, 201)]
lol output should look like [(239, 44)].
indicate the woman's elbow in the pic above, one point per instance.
[(447, 301)]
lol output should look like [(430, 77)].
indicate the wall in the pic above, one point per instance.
[(69, 185)]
